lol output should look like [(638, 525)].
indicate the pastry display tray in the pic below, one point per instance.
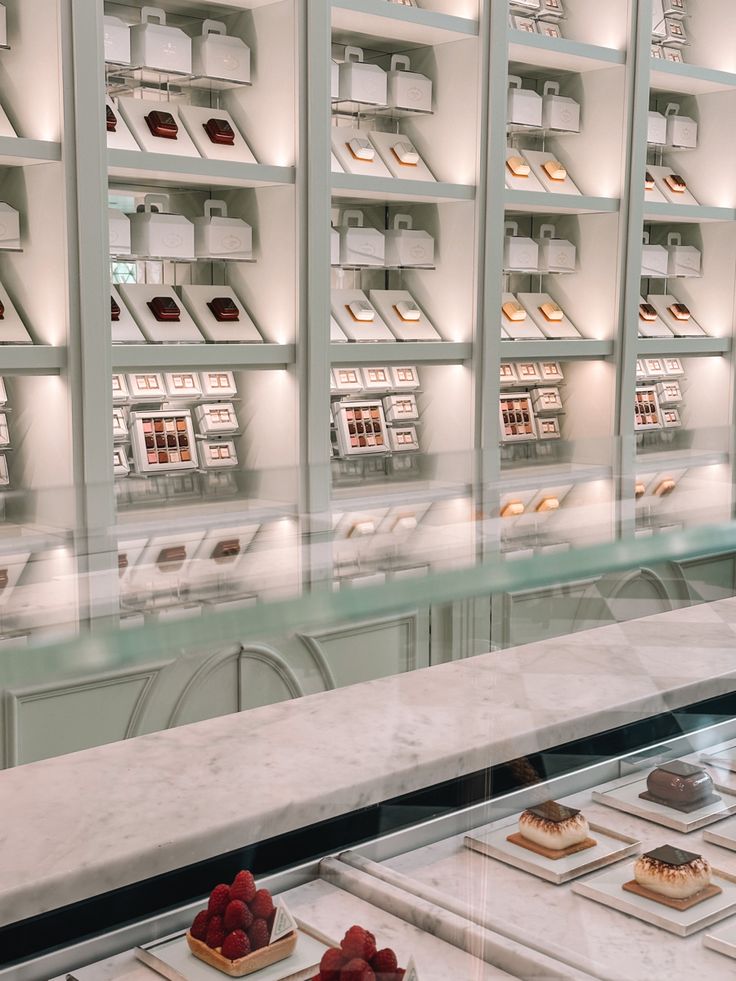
[(623, 795), (172, 959), (611, 847), (607, 889)]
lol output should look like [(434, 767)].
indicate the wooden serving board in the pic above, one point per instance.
[(552, 853), (680, 904)]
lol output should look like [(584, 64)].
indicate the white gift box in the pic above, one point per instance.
[(675, 8), (334, 247), (119, 226), (556, 255), (684, 260), (361, 82), (656, 129), (682, 131), (408, 246), (216, 235), (334, 80), (654, 259), (524, 107), (520, 254), (675, 31), (219, 453), (408, 89), (156, 45), (359, 245), (156, 233), (558, 111), (216, 54), (552, 9), (117, 39)]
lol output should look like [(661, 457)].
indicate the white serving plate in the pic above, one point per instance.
[(611, 847), (607, 889), (623, 795), (723, 940), (173, 960)]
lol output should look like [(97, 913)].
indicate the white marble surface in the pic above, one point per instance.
[(83, 824), (333, 911), (615, 946)]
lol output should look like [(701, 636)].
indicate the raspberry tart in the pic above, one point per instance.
[(358, 959), (234, 933)]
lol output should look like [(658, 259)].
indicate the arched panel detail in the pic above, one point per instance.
[(253, 652)]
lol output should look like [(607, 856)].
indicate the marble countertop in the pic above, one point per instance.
[(81, 825)]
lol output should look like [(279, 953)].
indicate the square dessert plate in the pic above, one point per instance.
[(172, 959), (724, 759), (724, 835), (623, 795), (611, 847), (607, 889), (722, 940)]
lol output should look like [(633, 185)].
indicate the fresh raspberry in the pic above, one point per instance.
[(385, 962), (261, 906), (237, 916), (243, 887), (198, 929), (358, 944), (219, 898), (235, 945), (215, 932), (332, 960), (259, 934), (357, 970)]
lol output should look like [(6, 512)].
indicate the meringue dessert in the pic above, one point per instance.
[(554, 826), (672, 872)]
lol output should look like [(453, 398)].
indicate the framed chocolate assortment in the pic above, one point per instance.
[(384, 425), (191, 424)]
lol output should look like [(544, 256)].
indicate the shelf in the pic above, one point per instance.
[(398, 25), (155, 169), (522, 476), (198, 515), (31, 359), (410, 352), (687, 213), (561, 53), (16, 152), (670, 76), (683, 346), (381, 495), (213, 7), (357, 187), (545, 203), (582, 350), (678, 459), (172, 356)]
